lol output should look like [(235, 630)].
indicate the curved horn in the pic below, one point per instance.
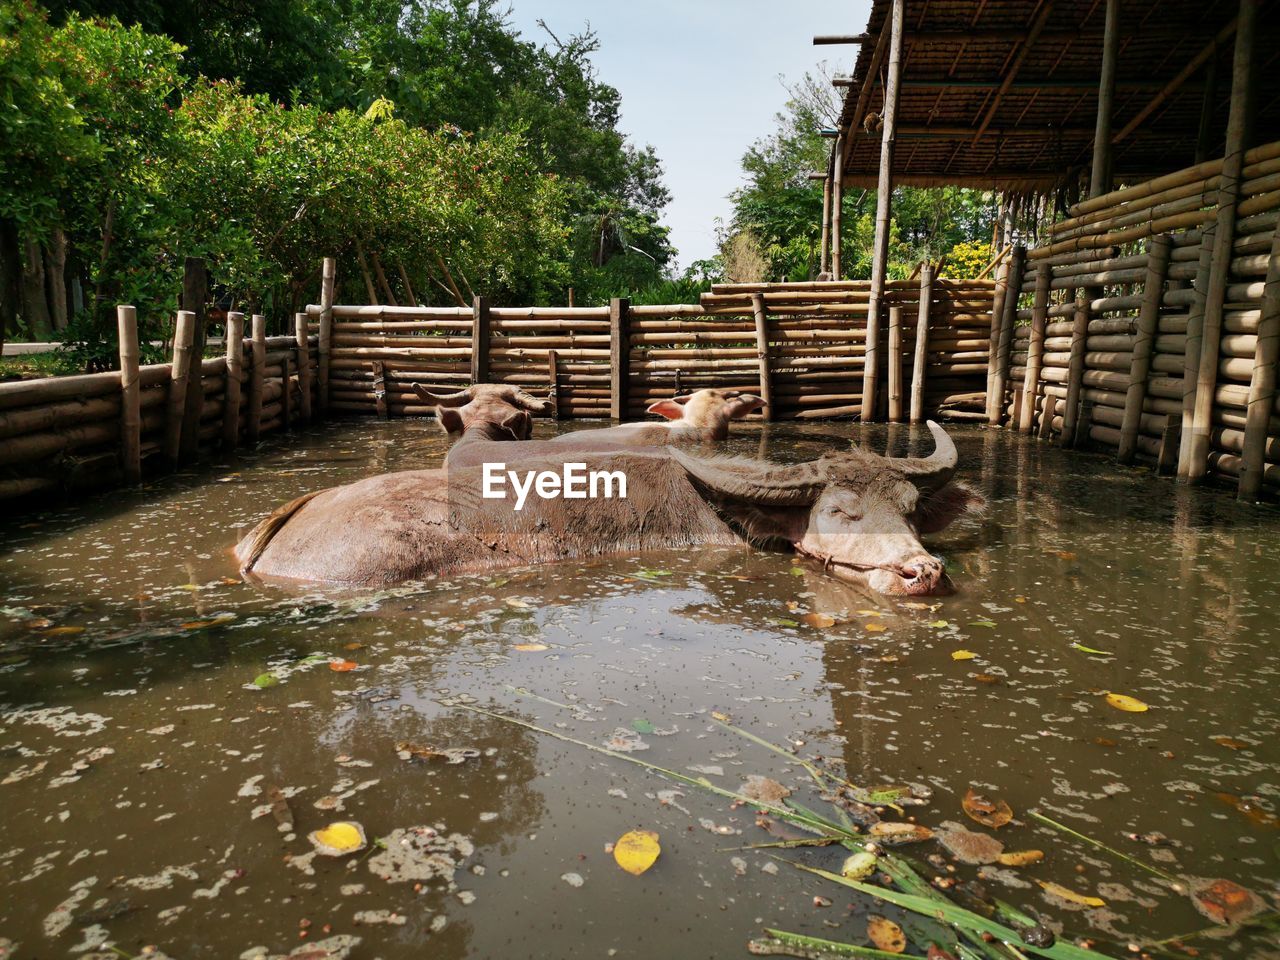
[(529, 402), (459, 399), (754, 481), (936, 470)]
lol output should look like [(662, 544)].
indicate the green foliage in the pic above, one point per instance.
[(782, 207)]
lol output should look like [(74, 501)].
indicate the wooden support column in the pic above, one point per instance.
[(1262, 385), (553, 379), (1084, 425), (837, 209), (1208, 109), (379, 388), (479, 340), (619, 348), (257, 375), (286, 391), (1158, 252), (993, 338), (921, 364), (884, 212), (1100, 172), (1035, 347), (1047, 413), (1228, 197), (1167, 460), (894, 380), (235, 379), (328, 277), (824, 260), (995, 413), (183, 335), (195, 287), (1075, 369), (304, 366), (762, 353), (130, 395), (1191, 353)]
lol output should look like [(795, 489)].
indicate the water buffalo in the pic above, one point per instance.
[(857, 513), (700, 417)]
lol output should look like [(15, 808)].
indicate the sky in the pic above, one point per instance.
[(699, 80)]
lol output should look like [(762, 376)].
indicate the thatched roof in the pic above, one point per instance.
[(1002, 94)]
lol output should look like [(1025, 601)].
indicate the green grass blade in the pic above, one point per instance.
[(833, 948), (1102, 846)]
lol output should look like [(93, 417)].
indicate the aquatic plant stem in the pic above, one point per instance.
[(1102, 846)]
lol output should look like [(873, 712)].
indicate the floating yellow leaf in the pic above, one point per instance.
[(529, 647), (859, 866), (1230, 743), (62, 631), (353, 645), (937, 624), (819, 620), (988, 811), (1021, 858), (517, 604), (886, 934), (1128, 704), (212, 622), (874, 627), (1071, 896), (338, 838), (892, 834), (636, 851), (722, 717), (870, 613), (962, 654)]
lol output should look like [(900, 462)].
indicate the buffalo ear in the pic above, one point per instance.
[(519, 424), (938, 510), (745, 405), (667, 408), (450, 420)]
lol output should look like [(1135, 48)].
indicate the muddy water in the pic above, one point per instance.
[(151, 706)]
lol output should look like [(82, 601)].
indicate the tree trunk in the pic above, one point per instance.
[(10, 278), (35, 307), (55, 264)]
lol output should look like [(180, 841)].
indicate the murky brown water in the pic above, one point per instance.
[(135, 747)]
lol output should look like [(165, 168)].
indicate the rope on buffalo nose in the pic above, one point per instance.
[(829, 561)]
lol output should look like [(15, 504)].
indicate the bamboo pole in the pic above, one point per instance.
[(235, 378), (1018, 259), (553, 379), (382, 279), (894, 381), (997, 318), (1262, 384), (328, 275), (884, 212), (257, 374), (1100, 170), (1158, 250), (1035, 348), (762, 353), (130, 395), (919, 367), (824, 259), (479, 340), (1075, 369), (379, 388), (837, 209), (369, 288), (1228, 198), (619, 344), (304, 366), (183, 335), (195, 285), (286, 391)]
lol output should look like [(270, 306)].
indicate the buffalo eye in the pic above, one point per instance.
[(851, 515)]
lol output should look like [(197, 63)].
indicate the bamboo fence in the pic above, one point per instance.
[(1149, 323)]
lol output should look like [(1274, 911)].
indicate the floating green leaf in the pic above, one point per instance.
[(264, 680), (1097, 653)]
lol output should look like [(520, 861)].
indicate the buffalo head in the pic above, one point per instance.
[(708, 408), (502, 411), (858, 513)]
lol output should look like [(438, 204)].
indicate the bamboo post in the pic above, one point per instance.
[(1047, 414), (619, 348), (304, 366), (1191, 353), (824, 260), (1100, 172), (884, 212), (1075, 369), (380, 388), (1009, 320), (286, 388), (894, 380), (837, 209), (1228, 197), (195, 286), (1167, 462), (479, 340), (1159, 250), (1084, 423), (183, 335), (130, 395), (553, 380), (1262, 384), (762, 353), (1035, 347), (235, 378), (921, 365), (257, 372), (328, 278), (997, 317)]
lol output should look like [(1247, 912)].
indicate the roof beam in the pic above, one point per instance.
[(833, 39), (1011, 74), (1067, 86), (864, 95)]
